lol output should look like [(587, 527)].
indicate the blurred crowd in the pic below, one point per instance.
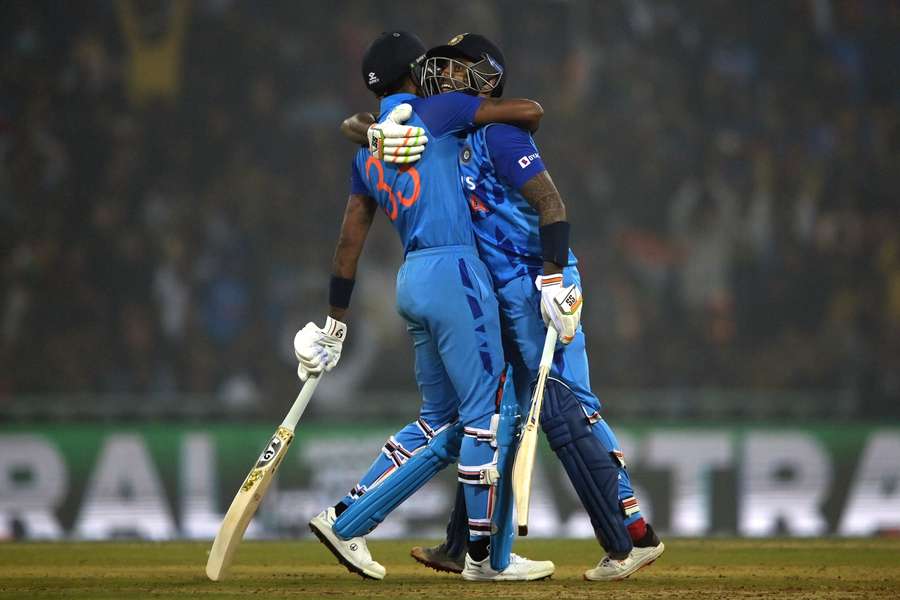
[(172, 181)]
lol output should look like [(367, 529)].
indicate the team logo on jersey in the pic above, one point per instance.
[(465, 155)]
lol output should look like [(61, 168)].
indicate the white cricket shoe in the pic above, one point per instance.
[(519, 569), (610, 569), (353, 553)]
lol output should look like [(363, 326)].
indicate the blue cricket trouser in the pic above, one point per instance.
[(445, 296), (523, 337)]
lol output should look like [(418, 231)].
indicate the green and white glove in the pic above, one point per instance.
[(560, 306), (319, 349), (393, 142)]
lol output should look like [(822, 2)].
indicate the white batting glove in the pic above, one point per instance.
[(319, 349), (393, 142), (560, 306)]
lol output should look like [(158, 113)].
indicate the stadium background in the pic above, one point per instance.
[(171, 185)]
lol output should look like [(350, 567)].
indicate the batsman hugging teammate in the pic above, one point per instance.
[(445, 295), (522, 233)]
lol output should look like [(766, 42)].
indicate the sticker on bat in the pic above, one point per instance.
[(270, 452)]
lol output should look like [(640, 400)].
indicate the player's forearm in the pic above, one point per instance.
[(355, 127), (542, 195), (358, 218), (516, 111)]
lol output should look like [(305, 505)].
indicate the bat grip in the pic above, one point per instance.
[(293, 416), (549, 348)]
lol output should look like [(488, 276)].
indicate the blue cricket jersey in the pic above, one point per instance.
[(495, 161), (423, 200)]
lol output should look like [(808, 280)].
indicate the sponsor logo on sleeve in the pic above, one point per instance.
[(528, 159)]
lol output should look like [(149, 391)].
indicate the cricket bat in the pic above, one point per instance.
[(254, 488), (524, 463)]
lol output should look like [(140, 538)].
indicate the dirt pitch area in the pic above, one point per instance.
[(695, 569)]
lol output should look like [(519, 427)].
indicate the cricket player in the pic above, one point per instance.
[(520, 224), (445, 295)]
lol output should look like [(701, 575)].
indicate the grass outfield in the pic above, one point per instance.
[(690, 568)]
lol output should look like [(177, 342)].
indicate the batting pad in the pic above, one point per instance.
[(371, 508), (587, 463), (503, 532)]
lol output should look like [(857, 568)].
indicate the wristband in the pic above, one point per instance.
[(555, 243), (339, 290)]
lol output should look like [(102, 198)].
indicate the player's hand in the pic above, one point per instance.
[(319, 349), (560, 306), (393, 142), (355, 128)]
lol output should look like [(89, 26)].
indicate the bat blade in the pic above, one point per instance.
[(521, 475), (254, 488), (246, 501), (523, 467)]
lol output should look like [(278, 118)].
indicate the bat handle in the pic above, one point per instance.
[(543, 372), (549, 349), (293, 416)]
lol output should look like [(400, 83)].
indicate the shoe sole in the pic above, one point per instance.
[(418, 554), (337, 553), (653, 557), (510, 579)]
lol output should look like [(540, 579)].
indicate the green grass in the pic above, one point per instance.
[(690, 568)]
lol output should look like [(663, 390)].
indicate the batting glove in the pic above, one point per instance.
[(319, 349), (560, 306), (393, 142)]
